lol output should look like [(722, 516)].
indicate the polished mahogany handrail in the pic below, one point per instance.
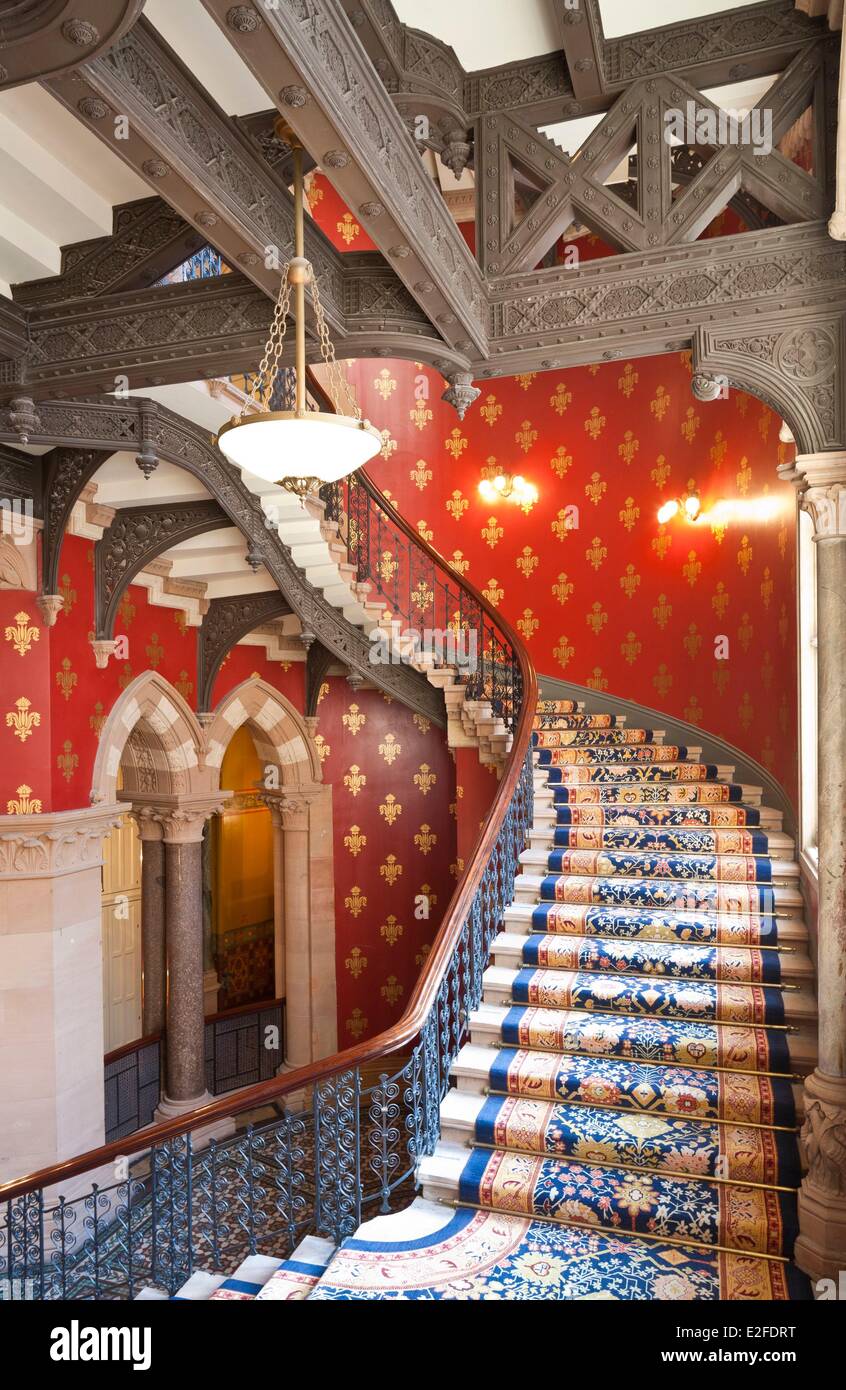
[(424, 995)]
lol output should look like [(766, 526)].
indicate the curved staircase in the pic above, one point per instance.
[(623, 1122)]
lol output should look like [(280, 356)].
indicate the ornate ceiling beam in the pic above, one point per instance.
[(13, 329), (148, 239), (38, 40), (634, 305), (20, 479), (225, 622), (116, 426), (714, 49), (201, 328), (176, 138), (422, 74), (576, 188), (135, 537), (580, 27), (308, 60)]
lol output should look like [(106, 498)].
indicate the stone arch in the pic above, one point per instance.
[(278, 729), (157, 738), (793, 366)]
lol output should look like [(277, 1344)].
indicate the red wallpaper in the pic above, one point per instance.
[(395, 840), (81, 695), (25, 722), (476, 785), (288, 677), (604, 595), (343, 228)]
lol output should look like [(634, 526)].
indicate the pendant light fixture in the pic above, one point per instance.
[(301, 448)]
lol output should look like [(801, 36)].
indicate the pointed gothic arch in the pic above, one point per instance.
[(157, 739), (278, 729)]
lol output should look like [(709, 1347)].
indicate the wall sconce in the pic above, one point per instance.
[(690, 505), (508, 487)]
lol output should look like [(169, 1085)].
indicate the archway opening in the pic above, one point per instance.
[(240, 880)]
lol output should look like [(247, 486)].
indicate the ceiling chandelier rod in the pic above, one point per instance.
[(298, 449)]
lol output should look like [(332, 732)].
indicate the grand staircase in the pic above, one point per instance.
[(623, 1123)]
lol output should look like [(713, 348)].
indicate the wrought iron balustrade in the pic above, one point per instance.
[(337, 1141)]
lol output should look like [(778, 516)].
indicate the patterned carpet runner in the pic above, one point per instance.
[(624, 1123)]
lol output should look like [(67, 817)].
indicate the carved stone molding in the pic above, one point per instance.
[(822, 479), (117, 426), (797, 368), (179, 820), (136, 536), (55, 843), (290, 809), (821, 1246), (40, 40)]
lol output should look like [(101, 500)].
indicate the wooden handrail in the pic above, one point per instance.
[(425, 992)]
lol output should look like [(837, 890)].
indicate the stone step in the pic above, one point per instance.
[(798, 1001), (471, 1072), (785, 871), (545, 814), (794, 967), (518, 917), (542, 838), (618, 794), (788, 899), (487, 1021)]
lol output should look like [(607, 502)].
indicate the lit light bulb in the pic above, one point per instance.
[(692, 506), (667, 511)]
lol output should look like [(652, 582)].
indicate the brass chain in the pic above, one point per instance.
[(341, 388), (262, 388)]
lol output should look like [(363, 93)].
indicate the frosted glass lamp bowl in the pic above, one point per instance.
[(285, 444)]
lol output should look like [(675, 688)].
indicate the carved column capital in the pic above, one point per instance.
[(289, 808), (822, 479), (178, 820)]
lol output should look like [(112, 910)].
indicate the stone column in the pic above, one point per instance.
[(182, 826), (278, 903), (152, 923), (821, 1246), (51, 986), (302, 820)]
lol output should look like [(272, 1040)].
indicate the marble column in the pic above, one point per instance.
[(821, 1246), (182, 828), (152, 924)]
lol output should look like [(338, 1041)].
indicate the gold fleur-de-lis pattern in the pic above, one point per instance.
[(394, 840), (605, 447)]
